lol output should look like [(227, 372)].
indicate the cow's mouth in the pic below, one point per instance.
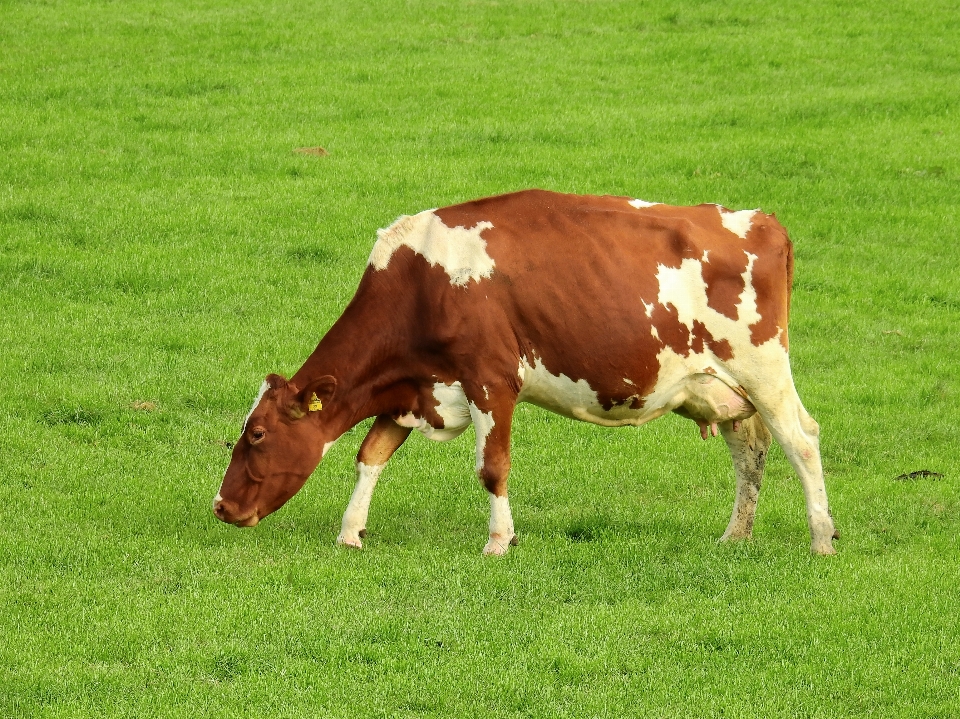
[(250, 521)]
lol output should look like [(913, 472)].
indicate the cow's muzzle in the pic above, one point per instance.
[(229, 512)]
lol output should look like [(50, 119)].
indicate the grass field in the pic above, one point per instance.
[(162, 248)]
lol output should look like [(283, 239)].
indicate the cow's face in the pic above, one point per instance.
[(282, 443)]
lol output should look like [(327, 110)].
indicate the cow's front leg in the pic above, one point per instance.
[(493, 467), (383, 439)]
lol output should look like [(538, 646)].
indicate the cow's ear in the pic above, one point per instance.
[(316, 396), (275, 381)]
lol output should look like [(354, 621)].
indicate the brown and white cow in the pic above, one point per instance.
[(604, 309)]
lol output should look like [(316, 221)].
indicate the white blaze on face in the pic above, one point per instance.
[(460, 251), (737, 222), (256, 403), (640, 204)]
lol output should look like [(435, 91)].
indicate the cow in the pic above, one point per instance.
[(604, 309)]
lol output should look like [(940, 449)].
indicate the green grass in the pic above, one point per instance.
[(161, 242)]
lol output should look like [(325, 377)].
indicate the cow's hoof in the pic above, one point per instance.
[(738, 536), (353, 542), (824, 549), (496, 547)]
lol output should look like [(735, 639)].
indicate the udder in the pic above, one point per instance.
[(709, 401)]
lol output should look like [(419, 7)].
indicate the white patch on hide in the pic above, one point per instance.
[(704, 258), (460, 251), (640, 204), (577, 400), (326, 448), (737, 222), (264, 386), (685, 289), (647, 309), (453, 409), (766, 367)]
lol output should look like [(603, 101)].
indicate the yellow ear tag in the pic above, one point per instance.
[(315, 403)]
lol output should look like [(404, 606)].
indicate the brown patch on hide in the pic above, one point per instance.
[(772, 277), (673, 333), (723, 276), (701, 337)]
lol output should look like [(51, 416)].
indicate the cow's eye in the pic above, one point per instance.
[(257, 434)]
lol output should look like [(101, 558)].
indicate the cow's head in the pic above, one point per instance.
[(282, 442)]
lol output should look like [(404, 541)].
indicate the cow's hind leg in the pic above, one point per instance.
[(383, 439), (799, 436), (492, 419), (748, 445)]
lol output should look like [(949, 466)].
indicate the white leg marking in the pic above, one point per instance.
[(798, 434), (501, 527), (483, 423), (355, 517), (748, 444)]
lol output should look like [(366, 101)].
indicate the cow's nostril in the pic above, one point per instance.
[(219, 508)]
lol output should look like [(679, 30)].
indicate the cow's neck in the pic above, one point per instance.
[(364, 353)]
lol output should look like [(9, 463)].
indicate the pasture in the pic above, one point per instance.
[(163, 247)]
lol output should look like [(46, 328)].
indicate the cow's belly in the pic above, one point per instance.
[(694, 387), (576, 400), (709, 395)]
